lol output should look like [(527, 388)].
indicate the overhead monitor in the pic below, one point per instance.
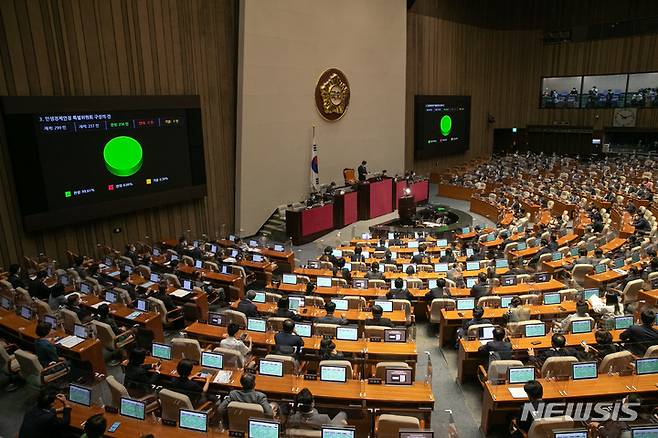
[(442, 125)]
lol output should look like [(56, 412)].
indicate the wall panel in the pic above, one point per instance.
[(123, 47)]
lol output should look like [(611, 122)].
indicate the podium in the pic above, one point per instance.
[(375, 198), (345, 209), (307, 224), (420, 190)]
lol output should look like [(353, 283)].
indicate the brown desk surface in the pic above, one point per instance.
[(360, 347), (89, 350), (650, 296), (352, 392), (544, 341), (495, 313)]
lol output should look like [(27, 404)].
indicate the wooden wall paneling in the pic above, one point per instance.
[(124, 47)]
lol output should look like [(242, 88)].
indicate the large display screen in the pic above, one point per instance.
[(561, 92), (79, 158), (442, 125)]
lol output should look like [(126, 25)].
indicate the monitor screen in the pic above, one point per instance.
[(583, 370), (561, 92), (521, 246), (552, 299), (466, 230), (635, 257), (387, 306), (644, 431), (259, 428), (431, 283), (465, 303), (161, 351), (486, 333), (491, 237), (295, 302), (259, 298), (289, 279), (341, 304), (441, 267), (256, 325), (412, 244), (618, 263), (623, 322), (646, 366), (347, 333), (338, 432), (442, 125), (587, 293), (337, 253), (110, 297), (556, 256), (85, 288), (600, 268), (470, 282), (520, 374), (5, 302), (279, 248), (508, 280), (80, 395), (395, 335), (580, 433), (360, 283), (398, 377), (408, 433), (193, 420), (535, 330), (187, 284), (64, 279), (253, 243), (215, 319), (26, 312), (542, 277), (324, 282), (198, 264), (80, 331), (330, 373), (132, 408), (348, 266), (212, 360), (270, 368), (303, 329), (50, 320), (82, 158), (505, 301), (155, 278), (472, 266), (573, 251), (156, 252), (257, 258), (442, 242), (581, 326), (142, 305), (502, 264)]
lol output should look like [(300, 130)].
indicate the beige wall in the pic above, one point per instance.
[(284, 47)]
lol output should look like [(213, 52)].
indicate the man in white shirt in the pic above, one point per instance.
[(231, 342)]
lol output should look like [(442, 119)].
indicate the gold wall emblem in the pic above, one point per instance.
[(332, 94)]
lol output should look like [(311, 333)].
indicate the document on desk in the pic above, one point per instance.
[(147, 284), (134, 315), (180, 293), (517, 393), (100, 303), (70, 341), (223, 376), (114, 274), (620, 271)]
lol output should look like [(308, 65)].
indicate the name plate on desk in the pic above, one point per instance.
[(166, 422), (374, 381), (236, 433), (111, 409), (329, 337), (375, 339), (310, 377)]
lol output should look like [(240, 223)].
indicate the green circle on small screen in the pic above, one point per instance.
[(446, 125), (123, 156)]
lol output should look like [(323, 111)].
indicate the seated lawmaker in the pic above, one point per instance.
[(499, 348), (233, 343), (247, 305), (305, 416), (399, 292), (520, 425), (43, 419), (45, 350), (377, 319), (162, 295), (283, 310), (581, 312), (14, 276), (329, 318), (478, 313), (73, 304), (480, 289), (440, 291), (558, 349), (639, 337), (95, 426), (373, 273), (138, 375), (183, 384), (604, 346), (245, 395), (287, 341)]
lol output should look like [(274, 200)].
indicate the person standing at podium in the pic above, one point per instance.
[(363, 172)]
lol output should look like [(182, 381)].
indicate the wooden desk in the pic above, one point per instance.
[(451, 320), (23, 333), (525, 288), (355, 316), (361, 348), (613, 245), (262, 270), (149, 320), (498, 405), (213, 277), (650, 296), (285, 260), (469, 358)]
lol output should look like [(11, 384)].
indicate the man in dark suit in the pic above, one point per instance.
[(535, 392), (307, 417), (499, 348), (399, 292), (247, 306), (245, 395), (43, 421), (545, 249), (480, 289), (38, 288), (439, 291), (14, 276), (373, 273), (183, 384), (449, 257), (377, 319), (162, 295), (421, 256), (363, 172), (558, 349), (286, 341), (641, 336), (329, 318)]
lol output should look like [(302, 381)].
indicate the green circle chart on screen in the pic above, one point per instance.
[(446, 125), (123, 156)]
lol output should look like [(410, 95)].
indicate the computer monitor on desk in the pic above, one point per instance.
[(132, 408), (256, 325), (80, 395), (303, 329), (581, 326), (324, 282), (401, 376), (338, 432), (552, 298), (517, 375), (644, 431), (193, 420), (347, 333), (409, 433), (574, 433), (584, 370), (161, 351), (330, 373), (647, 365), (261, 428), (268, 367), (212, 360), (534, 330), (470, 282), (341, 304), (465, 303), (386, 305)]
